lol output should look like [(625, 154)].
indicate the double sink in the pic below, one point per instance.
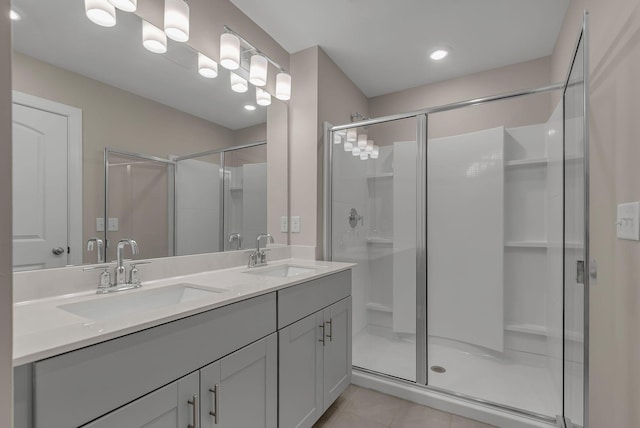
[(102, 308)]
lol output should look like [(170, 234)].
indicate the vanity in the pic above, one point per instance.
[(238, 347)]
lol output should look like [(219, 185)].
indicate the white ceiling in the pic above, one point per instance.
[(383, 45), (58, 32)]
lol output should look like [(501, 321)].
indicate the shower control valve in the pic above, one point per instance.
[(354, 218)]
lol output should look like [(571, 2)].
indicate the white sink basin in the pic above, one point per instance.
[(282, 271), (114, 306)]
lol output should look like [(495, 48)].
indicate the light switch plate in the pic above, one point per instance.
[(284, 223), (100, 224), (628, 221), (113, 224), (295, 224)]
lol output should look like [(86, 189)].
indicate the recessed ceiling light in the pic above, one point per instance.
[(439, 54), (15, 16), (250, 107)]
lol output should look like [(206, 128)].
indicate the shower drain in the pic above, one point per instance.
[(438, 369)]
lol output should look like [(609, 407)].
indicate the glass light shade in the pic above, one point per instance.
[(207, 67), (283, 86), (229, 51), (362, 141), (356, 151), (125, 5), (263, 98), (238, 84), (369, 147), (348, 146), (352, 135), (153, 38), (364, 156), (376, 152), (337, 139), (14, 16), (100, 12), (176, 20), (258, 70)]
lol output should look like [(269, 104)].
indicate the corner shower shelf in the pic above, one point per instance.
[(526, 162), (382, 242), (379, 307), (381, 175), (540, 244)]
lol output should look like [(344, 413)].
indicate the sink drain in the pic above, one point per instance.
[(438, 369)]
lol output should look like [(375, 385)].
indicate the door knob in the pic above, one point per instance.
[(57, 251)]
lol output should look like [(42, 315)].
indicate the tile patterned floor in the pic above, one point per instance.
[(363, 408)]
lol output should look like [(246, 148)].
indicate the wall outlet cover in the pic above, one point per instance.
[(295, 224), (628, 221), (113, 224), (100, 224), (284, 223)]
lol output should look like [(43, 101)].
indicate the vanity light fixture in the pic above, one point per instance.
[(125, 5), (230, 51), (356, 151), (238, 84), (369, 148), (176, 20), (364, 156), (207, 67), (362, 141), (263, 98), (375, 153), (258, 70), (100, 12), (439, 54), (250, 107), (357, 144), (348, 146), (14, 16), (283, 86), (337, 139), (153, 38), (352, 135)]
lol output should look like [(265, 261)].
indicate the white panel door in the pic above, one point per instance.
[(40, 144)]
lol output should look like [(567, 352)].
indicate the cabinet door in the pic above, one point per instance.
[(337, 350), (241, 389), (300, 375), (167, 407)]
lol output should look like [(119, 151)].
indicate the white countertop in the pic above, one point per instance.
[(41, 329)]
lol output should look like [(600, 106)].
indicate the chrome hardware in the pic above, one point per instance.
[(238, 237), (100, 244), (323, 331), (121, 271), (354, 218), (580, 272), (57, 251), (196, 412), (122, 280), (259, 257), (216, 403), (330, 335), (105, 278)]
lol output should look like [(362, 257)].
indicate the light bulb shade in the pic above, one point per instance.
[(207, 67), (283, 86), (263, 98), (356, 151), (352, 135), (369, 148), (258, 70), (337, 139), (362, 141), (348, 146), (176, 20), (100, 12), (238, 84), (153, 38), (376, 152), (229, 51), (125, 5), (364, 156)]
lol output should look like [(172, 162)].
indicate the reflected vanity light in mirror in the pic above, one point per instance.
[(376, 152), (364, 156), (369, 148), (283, 86), (176, 20), (229, 51), (14, 16), (153, 38), (250, 107), (258, 70), (125, 5), (352, 135), (238, 84), (263, 98), (207, 67), (337, 139), (362, 141), (100, 12), (356, 151), (348, 146)]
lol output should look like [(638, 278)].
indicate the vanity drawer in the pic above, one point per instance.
[(75, 388), (299, 301)]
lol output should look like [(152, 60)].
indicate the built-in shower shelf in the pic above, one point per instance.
[(379, 307), (382, 242), (381, 175), (235, 189), (526, 244), (527, 162)]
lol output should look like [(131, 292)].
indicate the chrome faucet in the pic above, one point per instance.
[(258, 257), (121, 271), (237, 237), (100, 244)]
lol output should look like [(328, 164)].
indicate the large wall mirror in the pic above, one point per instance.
[(112, 141)]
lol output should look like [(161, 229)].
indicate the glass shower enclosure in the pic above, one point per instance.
[(469, 230)]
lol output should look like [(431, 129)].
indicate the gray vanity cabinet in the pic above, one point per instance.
[(169, 407), (241, 389), (337, 350)]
